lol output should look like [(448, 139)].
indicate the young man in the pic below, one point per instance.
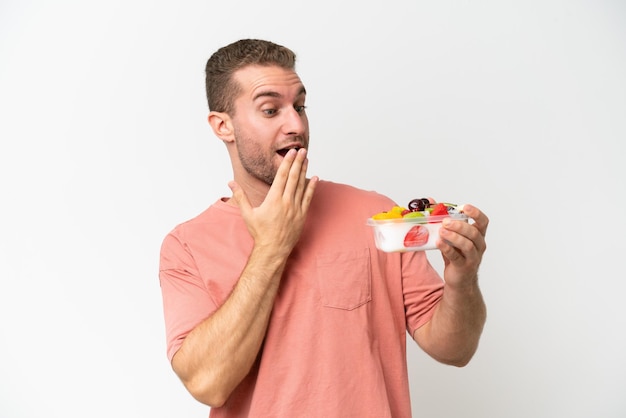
[(276, 304)]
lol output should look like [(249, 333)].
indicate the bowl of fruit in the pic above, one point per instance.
[(412, 228)]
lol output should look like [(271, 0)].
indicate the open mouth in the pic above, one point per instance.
[(284, 151)]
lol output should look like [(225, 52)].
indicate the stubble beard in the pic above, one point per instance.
[(258, 167), (255, 161)]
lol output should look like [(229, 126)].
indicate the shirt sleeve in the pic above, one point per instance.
[(422, 289), (186, 301)]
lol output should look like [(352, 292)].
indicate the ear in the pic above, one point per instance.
[(222, 126)]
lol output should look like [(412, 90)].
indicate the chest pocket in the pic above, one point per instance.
[(345, 278)]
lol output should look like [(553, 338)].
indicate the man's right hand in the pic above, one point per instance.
[(279, 220)]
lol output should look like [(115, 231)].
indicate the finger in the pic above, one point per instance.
[(456, 252), (459, 239), (282, 174), (308, 193), (462, 235), (480, 219), (294, 178), (302, 182), (448, 252)]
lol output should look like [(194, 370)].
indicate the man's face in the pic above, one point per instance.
[(269, 119)]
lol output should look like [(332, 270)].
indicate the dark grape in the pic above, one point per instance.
[(417, 205)]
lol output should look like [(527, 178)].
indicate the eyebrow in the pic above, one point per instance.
[(270, 93)]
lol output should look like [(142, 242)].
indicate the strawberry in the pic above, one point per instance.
[(417, 236), (440, 209)]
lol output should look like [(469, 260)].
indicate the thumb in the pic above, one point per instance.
[(240, 196)]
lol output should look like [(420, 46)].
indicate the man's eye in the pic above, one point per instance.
[(269, 112), (300, 109)]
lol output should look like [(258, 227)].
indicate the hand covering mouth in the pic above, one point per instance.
[(284, 151)]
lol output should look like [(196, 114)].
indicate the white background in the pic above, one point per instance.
[(516, 107)]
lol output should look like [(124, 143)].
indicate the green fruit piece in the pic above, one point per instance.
[(414, 215)]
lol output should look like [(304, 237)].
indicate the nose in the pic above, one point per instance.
[(295, 123)]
